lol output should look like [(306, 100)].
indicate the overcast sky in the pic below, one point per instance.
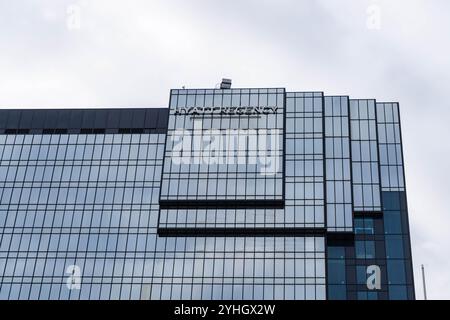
[(106, 53)]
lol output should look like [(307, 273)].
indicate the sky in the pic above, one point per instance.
[(111, 53)]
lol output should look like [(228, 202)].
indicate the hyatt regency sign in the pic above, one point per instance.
[(226, 110)]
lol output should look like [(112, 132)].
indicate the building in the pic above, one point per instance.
[(226, 194)]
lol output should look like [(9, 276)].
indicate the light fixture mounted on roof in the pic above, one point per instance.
[(225, 84)]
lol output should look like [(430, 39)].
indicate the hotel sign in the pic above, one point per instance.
[(243, 110)]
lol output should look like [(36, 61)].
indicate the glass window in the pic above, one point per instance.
[(337, 292), (336, 271), (396, 271), (364, 226), (392, 222), (394, 247), (336, 252), (365, 249), (397, 292), (391, 200), (361, 275)]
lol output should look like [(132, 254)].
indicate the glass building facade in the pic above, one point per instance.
[(225, 194)]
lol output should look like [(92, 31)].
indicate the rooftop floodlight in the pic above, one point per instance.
[(225, 84)]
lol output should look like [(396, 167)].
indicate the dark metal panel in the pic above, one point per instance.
[(240, 232), (125, 118), (76, 118), (13, 119), (38, 119), (221, 204), (3, 118), (50, 118), (88, 119), (113, 119), (162, 118), (151, 117), (100, 118), (138, 118), (26, 119), (63, 119)]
